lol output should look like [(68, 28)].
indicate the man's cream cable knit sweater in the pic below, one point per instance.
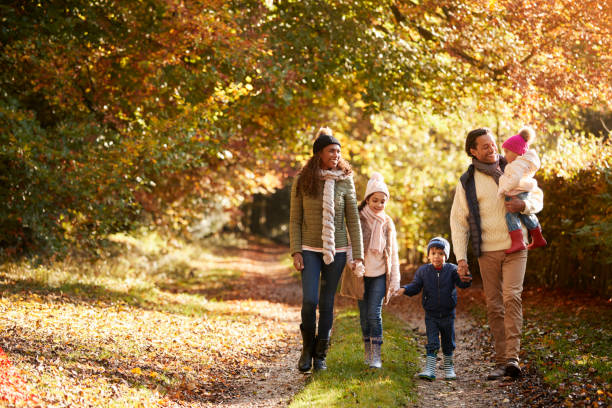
[(495, 234)]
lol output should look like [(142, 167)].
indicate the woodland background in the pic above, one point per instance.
[(187, 117)]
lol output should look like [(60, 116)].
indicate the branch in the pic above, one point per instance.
[(604, 125), (399, 17)]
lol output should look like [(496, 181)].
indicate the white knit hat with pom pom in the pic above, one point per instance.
[(376, 184)]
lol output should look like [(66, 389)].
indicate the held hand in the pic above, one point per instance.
[(399, 292), (466, 278), (358, 268), (515, 205), (298, 261), (463, 270)]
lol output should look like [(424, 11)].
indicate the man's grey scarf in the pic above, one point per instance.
[(494, 170), (490, 169)]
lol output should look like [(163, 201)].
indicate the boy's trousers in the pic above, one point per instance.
[(440, 327), (502, 281)]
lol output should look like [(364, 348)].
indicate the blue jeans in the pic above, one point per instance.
[(314, 271), (370, 307), (440, 327), (513, 220)]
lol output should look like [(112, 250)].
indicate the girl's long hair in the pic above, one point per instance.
[(362, 204), (308, 183)]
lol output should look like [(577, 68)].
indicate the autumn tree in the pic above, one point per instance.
[(113, 111)]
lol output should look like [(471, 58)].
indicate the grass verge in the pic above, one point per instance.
[(572, 351), (348, 382)]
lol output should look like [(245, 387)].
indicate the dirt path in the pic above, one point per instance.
[(237, 347), (275, 379)]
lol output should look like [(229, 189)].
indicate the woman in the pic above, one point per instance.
[(322, 198)]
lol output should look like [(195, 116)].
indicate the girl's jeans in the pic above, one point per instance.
[(314, 271), (513, 220), (370, 307), (437, 327)]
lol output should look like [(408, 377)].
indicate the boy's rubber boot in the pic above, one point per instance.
[(537, 240), (308, 342), (376, 355), (430, 369), (320, 353), (517, 242), (449, 369), (368, 350)]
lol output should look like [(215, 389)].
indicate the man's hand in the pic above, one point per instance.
[(515, 205), (398, 292), (464, 271), (462, 267), (298, 261)]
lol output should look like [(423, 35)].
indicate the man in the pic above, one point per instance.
[(478, 213)]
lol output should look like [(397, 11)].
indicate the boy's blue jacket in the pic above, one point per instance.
[(439, 293)]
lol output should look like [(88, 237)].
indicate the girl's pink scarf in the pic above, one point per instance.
[(376, 221)]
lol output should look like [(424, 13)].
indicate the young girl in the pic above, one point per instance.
[(378, 279), (518, 180)]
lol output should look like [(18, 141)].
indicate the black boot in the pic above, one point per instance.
[(320, 353), (308, 343)]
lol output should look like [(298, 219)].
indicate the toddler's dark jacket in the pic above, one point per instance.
[(439, 292)]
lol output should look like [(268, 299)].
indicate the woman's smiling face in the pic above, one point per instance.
[(330, 155)]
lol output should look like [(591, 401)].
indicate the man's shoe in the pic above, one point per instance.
[(498, 372), (513, 369)]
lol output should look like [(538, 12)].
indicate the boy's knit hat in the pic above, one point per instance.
[(376, 184), (439, 242), (519, 143)]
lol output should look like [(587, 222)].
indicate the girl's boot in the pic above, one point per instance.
[(430, 368), (376, 361), (308, 340), (537, 240), (517, 242), (320, 354), (368, 350), (449, 370)]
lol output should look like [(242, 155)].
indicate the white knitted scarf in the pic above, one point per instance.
[(329, 228)]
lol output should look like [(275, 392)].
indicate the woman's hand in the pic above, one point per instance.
[(398, 292), (298, 261), (358, 268)]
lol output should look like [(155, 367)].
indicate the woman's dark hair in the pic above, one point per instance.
[(470, 140), (308, 183)]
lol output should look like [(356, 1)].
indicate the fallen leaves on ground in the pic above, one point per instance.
[(77, 349), (12, 387), (565, 350)]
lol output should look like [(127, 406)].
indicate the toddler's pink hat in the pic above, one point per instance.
[(519, 143)]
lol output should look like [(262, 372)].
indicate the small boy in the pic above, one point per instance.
[(438, 280)]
